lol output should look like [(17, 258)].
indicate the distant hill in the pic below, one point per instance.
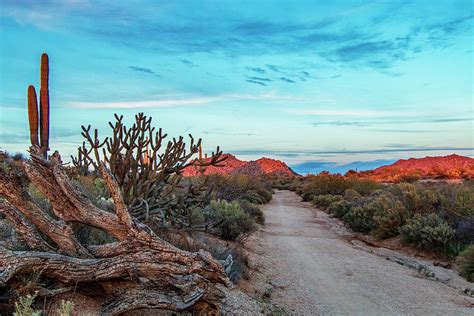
[(233, 165), (442, 167)]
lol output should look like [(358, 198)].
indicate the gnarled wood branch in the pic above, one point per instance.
[(139, 270)]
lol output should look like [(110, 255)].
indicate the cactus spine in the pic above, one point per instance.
[(33, 115), (43, 109)]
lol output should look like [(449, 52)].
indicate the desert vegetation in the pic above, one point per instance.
[(435, 217), (120, 227)]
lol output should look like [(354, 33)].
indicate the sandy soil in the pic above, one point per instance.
[(307, 265)]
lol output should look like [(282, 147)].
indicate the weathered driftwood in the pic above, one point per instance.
[(138, 270)]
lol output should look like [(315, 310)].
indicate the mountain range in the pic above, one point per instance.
[(441, 167)]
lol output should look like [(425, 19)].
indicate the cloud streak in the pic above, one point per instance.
[(400, 120), (176, 102), (144, 70), (293, 153)]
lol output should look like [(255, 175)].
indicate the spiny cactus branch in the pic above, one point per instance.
[(147, 170)]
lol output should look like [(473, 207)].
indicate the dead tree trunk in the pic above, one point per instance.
[(138, 270)]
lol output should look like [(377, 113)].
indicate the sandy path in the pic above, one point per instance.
[(308, 268)]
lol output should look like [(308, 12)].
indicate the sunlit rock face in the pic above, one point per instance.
[(233, 165), (443, 167)]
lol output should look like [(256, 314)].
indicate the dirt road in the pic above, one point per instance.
[(308, 267)]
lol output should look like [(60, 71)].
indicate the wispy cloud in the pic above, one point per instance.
[(256, 82), (351, 43), (256, 69), (315, 167), (273, 68), (144, 70), (293, 153), (286, 80), (342, 112), (258, 78), (410, 119), (188, 63), (183, 101)]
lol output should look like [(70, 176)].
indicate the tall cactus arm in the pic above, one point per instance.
[(44, 103), (33, 115)]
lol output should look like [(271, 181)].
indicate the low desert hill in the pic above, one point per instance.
[(442, 167), (233, 165)]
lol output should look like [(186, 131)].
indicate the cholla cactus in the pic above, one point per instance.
[(43, 143)]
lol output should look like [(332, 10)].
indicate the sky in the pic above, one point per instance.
[(318, 84)]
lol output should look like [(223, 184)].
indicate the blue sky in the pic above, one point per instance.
[(325, 83)]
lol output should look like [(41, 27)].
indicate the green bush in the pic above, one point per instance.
[(428, 232), (364, 186), (323, 183), (253, 211), (339, 208), (253, 197), (466, 263), (361, 218), (417, 198), (265, 194), (323, 201), (23, 307), (352, 195), (391, 214), (232, 218), (239, 186)]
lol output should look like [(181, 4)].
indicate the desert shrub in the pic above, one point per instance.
[(363, 186), (464, 230), (361, 217), (23, 307), (238, 186), (253, 211), (93, 186), (416, 199), (457, 199), (466, 263), (409, 178), (233, 220), (339, 208), (66, 308), (240, 260), (428, 232), (253, 197), (284, 182), (323, 201), (264, 193), (391, 214), (323, 183), (194, 241), (352, 195)]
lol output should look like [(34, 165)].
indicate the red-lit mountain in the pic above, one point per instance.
[(442, 167), (234, 165)]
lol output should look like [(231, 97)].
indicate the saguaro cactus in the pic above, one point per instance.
[(33, 115), (43, 111), (44, 102)]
